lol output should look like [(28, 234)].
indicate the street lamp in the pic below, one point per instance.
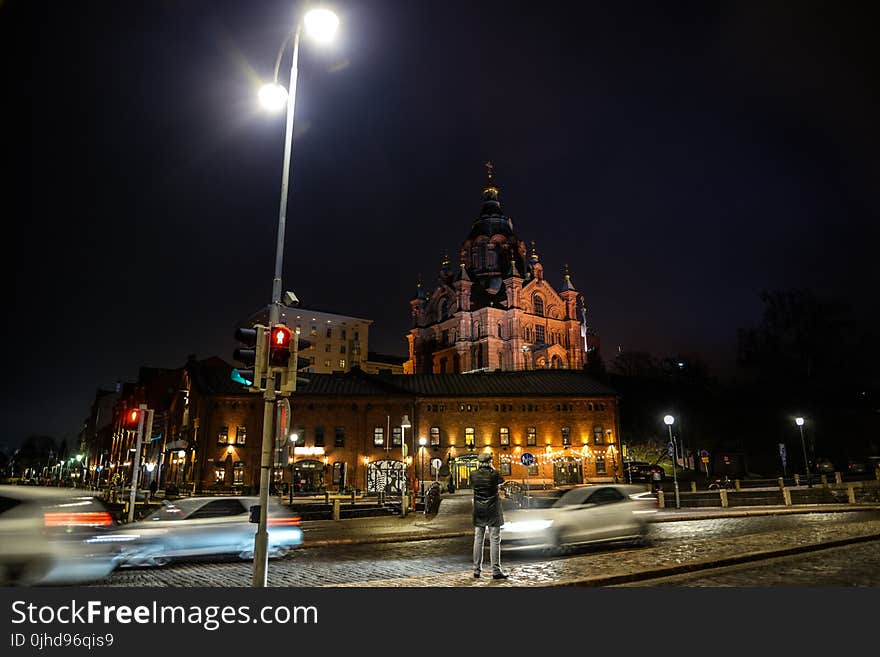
[(320, 24), (404, 425), (422, 442), (799, 421), (668, 419)]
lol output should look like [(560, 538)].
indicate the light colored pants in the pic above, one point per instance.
[(494, 548)]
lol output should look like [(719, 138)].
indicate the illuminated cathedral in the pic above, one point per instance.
[(496, 310)]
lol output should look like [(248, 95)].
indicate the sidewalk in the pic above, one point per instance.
[(602, 568)]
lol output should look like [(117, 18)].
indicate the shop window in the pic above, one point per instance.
[(600, 465)]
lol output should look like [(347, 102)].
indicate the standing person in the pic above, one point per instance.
[(487, 515), (153, 488)]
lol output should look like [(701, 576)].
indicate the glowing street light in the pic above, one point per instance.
[(320, 24), (669, 420), (799, 421)]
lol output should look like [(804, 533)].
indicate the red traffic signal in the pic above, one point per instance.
[(279, 345), (132, 417)]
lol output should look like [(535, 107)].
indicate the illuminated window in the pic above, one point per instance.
[(469, 439), (378, 436), (504, 436), (342, 363), (598, 435), (531, 436), (600, 465), (223, 435), (396, 436), (238, 473), (339, 439), (566, 435), (219, 475), (435, 436), (327, 363)]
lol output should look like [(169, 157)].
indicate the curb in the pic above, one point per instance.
[(698, 566)]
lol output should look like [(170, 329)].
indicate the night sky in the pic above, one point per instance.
[(679, 157)]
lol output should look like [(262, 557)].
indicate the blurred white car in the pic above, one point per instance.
[(47, 536), (592, 514), (197, 526)]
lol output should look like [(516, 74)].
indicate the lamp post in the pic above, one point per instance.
[(320, 24), (366, 464), (422, 442), (799, 421), (404, 425), (668, 419)]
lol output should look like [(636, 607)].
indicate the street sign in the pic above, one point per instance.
[(670, 447), (704, 453), (435, 464), (527, 458)]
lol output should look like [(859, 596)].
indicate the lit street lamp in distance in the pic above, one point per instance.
[(669, 420), (799, 421), (320, 25)]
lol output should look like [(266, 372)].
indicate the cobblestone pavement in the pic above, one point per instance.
[(445, 561), (855, 565)]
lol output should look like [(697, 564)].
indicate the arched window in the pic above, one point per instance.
[(557, 363), (499, 329), (538, 303)]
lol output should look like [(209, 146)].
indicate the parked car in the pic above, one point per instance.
[(53, 536), (590, 514), (197, 526), (641, 471), (856, 466), (824, 466)]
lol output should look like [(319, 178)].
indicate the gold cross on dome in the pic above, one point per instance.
[(490, 168)]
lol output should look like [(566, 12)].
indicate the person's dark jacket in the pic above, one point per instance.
[(487, 506)]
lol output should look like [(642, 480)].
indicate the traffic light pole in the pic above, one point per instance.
[(137, 462), (261, 540)]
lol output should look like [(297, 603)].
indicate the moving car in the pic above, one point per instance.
[(197, 526), (591, 514), (641, 471), (53, 536)]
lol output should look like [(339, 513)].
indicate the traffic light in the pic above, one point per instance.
[(280, 346), (253, 355), (289, 377), (132, 418)]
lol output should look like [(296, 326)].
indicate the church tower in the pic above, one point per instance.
[(496, 310)]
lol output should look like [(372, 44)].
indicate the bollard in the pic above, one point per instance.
[(786, 496), (824, 480), (838, 479), (326, 497), (693, 486), (736, 484), (352, 496), (797, 480), (781, 483), (851, 494), (336, 514), (661, 500), (723, 493)]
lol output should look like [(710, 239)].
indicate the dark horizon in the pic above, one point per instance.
[(680, 160)]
